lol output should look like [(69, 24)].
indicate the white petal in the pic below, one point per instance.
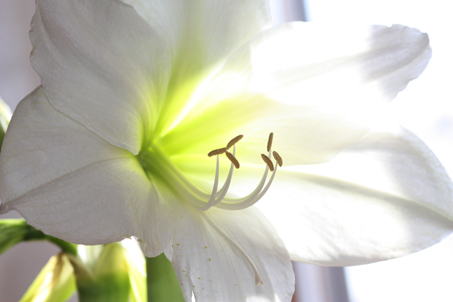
[(385, 197), (318, 88), (332, 63), (68, 182), (102, 65), (199, 33), (42, 145), (97, 204), (209, 252)]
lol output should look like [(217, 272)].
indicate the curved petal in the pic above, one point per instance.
[(385, 197), (68, 182), (214, 253), (101, 65), (318, 88)]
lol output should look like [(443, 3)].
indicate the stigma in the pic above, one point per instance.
[(218, 198)]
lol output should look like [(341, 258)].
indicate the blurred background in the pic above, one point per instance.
[(425, 108)]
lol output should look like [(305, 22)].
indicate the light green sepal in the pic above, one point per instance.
[(55, 282)]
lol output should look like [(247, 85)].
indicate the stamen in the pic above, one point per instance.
[(217, 152), (238, 203), (219, 199), (220, 195), (234, 141), (278, 158), (233, 159), (268, 162), (269, 141)]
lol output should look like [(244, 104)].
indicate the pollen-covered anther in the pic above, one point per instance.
[(268, 162), (278, 158), (233, 159), (234, 141), (217, 152), (269, 141)]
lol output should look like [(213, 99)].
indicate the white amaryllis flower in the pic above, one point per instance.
[(115, 141)]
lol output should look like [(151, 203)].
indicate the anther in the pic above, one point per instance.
[(278, 158), (268, 162), (217, 152), (269, 141), (234, 141), (233, 159)]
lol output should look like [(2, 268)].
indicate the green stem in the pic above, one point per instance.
[(163, 285), (66, 247)]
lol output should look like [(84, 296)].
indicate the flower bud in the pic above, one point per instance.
[(54, 283), (108, 273)]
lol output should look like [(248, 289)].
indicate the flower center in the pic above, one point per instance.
[(156, 164)]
